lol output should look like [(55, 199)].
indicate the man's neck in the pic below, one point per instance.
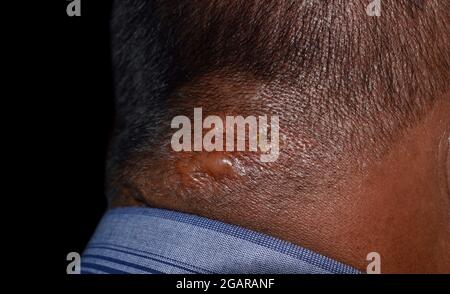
[(397, 206)]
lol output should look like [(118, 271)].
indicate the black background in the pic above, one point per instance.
[(83, 104)]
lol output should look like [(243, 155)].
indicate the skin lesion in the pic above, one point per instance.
[(193, 169), (183, 177), (216, 164), (164, 176)]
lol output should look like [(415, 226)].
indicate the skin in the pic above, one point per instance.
[(397, 205)]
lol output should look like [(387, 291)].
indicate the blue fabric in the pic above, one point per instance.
[(156, 241)]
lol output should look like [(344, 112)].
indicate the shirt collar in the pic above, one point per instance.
[(150, 240)]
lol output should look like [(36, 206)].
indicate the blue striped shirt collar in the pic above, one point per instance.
[(154, 241)]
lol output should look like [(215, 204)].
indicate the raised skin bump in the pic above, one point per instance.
[(216, 164), (197, 168)]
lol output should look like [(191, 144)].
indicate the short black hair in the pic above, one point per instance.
[(355, 78)]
